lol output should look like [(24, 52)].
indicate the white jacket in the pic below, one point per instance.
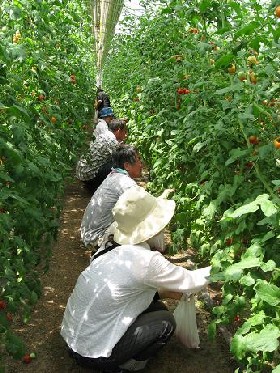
[(114, 289)]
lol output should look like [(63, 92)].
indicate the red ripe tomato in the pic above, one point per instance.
[(229, 241), (3, 304), (254, 140), (183, 91), (249, 164), (27, 359)]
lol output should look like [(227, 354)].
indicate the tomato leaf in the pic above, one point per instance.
[(232, 88), (234, 271), (247, 280), (269, 266), (267, 207), (2, 106), (224, 61), (245, 209), (18, 112), (236, 7), (269, 293), (212, 331), (266, 340), (247, 30), (14, 345), (276, 34), (257, 319), (235, 155)]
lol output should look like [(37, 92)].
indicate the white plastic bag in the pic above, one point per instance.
[(185, 317)]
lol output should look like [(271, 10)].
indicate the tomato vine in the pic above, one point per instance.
[(47, 85), (226, 54)]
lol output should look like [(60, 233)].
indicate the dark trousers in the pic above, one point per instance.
[(92, 185), (144, 338)]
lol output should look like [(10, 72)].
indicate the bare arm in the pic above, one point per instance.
[(169, 294)]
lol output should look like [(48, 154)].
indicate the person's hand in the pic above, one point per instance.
[(166, 193)]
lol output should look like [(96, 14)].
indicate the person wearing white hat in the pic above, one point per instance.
[(114, 320)]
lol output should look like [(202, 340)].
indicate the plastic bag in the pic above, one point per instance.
[(185, 317)]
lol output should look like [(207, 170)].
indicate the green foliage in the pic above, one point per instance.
[(225, 55), (47, 88)]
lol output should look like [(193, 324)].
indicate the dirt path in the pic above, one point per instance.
[(42, 333)]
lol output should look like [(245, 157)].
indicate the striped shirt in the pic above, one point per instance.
[(99, 154)]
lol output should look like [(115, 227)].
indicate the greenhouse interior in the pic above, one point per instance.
[(140, 186)]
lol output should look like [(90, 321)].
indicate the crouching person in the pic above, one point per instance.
[(98, 216), (94, 166), (114, 319)]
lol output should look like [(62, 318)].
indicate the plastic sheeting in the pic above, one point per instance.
[(106, 14)]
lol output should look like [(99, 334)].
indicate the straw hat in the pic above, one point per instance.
[(140, 216)]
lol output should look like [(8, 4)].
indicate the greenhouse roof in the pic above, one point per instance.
[(106, 14)]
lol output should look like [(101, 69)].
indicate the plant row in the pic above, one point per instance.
[(46, 83), (201, 82)]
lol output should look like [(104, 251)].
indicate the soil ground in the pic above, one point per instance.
[(68, 259)]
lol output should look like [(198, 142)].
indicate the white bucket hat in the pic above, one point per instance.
[(140, 216)]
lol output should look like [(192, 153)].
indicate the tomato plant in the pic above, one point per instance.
[(206, 145), (36, 157)]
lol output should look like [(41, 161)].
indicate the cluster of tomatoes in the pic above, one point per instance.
[(27, 358), (41, 98), (183, 91), (254, 140)]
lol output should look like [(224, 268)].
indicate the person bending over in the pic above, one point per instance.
[(94, 166), (126, 166), (102, 99), (114, 319)]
